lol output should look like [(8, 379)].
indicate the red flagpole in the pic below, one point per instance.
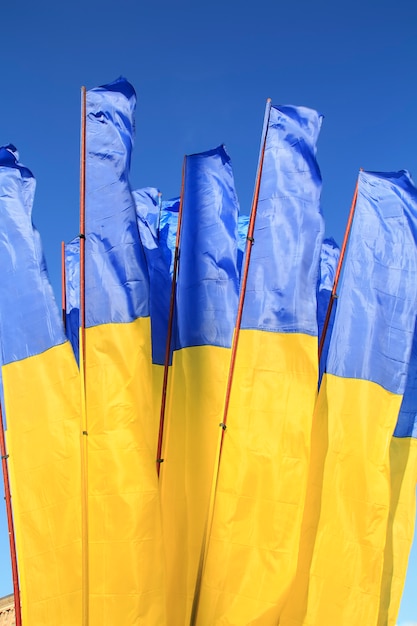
[(84, 442), (82, 221), (159, 210), (159, 460), (10, 525), (63, 286), (333, 295), (249, 244)]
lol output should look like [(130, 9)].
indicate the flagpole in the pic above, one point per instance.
[(10, 525), (159, 212), (223, 425), (159, 460), (63, 287), (84, 441), (82, 221), (249, 243), (333, 295)]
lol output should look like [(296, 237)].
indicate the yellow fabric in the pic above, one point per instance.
[(126, 559), (157, 385), (43, 439), (84, 488), (403, 470), (345, 522), (196, 392), (253, 545)]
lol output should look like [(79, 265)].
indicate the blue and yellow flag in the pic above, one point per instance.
[(41, 394), (206, 306), (253, 546), (402, 512), (346, 516), (125, 535)]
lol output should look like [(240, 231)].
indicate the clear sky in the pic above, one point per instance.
[(202, 72)]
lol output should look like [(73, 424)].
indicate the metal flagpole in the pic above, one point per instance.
[(84, 440), (333, 295), (248, 251), (82, 222), (63, 287), (159, 212), (10, 525), (223, 424), (159, 460)]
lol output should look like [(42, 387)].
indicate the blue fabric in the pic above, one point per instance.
[(148, 211), (72, 292), (30, 321), (284, 263), (167, 232), (242, 231), (158, 257), (329, 257), (407, 418), (117, 281), (374, 324), (207, 287)]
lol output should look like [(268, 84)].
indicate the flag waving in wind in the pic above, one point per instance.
[(345, 524), (41, 394), (206, 305), (253, 545), (126, 559), (402, 512)]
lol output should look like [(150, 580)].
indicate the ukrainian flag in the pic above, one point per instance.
[(126, 560), (253, 545), (41, 398), (402, 511), (346, 516), (206, 306)]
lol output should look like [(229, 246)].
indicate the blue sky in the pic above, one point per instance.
[(203, 72)]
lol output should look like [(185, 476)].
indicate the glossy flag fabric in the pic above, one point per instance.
[(401, 521), (72, 293), (253, 545), (168, 225), (206, 306), (41, 393), (154, 228), (125, 537), (158, 258), (329, 258), (242, 227), (346, 516)]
